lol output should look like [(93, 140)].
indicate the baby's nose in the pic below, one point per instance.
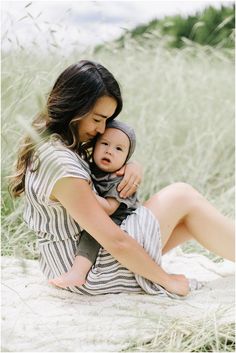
[(109, 150)]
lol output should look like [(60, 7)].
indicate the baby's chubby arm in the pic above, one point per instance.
[(109, 204)]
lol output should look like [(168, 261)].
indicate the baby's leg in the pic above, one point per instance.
[(76, 276), (86, 255)]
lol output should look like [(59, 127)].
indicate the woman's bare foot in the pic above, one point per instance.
[(76, 276)]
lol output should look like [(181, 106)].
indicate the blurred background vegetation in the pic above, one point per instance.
[(212, 26), (177, 81)]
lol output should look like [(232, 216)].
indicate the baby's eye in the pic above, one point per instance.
[(96, 120), (119, 149), (104, 143)]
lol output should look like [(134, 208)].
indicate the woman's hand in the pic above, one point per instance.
[(178, 284), (133, 174)]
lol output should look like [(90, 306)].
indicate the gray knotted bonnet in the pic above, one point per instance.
[(128, 130)]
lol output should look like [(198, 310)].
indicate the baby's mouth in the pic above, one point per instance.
[(106, 160)]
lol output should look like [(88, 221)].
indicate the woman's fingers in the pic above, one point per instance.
[(127, 191), (130, 187), (125, 186), (131, 180)]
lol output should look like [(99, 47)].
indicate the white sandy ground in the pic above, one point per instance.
[(39, 318)]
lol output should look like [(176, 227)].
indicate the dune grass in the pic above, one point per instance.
[(173, 335)]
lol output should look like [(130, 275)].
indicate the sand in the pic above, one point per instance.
[(37, 317)]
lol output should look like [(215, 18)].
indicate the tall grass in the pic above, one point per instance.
[(180, 102), (172, 335)]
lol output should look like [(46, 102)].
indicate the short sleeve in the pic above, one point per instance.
[(56, 162)]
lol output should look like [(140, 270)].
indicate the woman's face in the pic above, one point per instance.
[(95, 121)]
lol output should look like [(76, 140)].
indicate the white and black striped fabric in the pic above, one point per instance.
[(58, 234), (53, 162)]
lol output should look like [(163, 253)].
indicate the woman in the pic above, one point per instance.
[(53, 175)]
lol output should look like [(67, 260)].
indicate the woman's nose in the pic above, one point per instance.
[(101, 128)]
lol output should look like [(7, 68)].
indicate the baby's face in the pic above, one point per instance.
[(111, 150)]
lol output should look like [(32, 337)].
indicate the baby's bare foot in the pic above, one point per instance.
[(68, 279), (76, 276)]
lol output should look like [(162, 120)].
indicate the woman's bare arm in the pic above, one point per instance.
[(77, 197)]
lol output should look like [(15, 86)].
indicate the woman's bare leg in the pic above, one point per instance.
[(179, 203), (179, 235)]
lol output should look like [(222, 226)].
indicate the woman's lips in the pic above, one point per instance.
[(90, 136)]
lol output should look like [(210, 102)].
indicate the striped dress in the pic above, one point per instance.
[(58, 234)]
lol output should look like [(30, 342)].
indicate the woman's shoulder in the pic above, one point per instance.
[(55, 151), (53, 144)]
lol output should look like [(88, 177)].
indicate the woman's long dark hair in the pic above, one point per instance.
[(73, 95)]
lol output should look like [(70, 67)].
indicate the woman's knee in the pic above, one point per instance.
[(179, 194), (171, 205), (182, 187), (182, 193), (178, 198)]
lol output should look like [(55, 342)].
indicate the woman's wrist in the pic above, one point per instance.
[(163, 278)]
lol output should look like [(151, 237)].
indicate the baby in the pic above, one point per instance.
[(112, 150)]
